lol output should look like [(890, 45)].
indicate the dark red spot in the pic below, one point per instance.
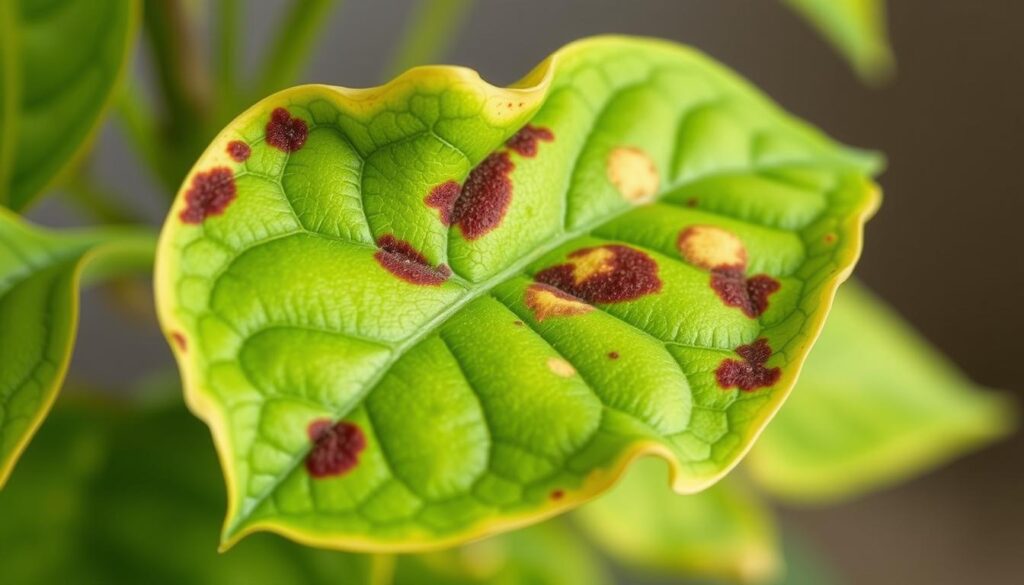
[(442, 198), (517, 323), (749, 374), (285, 132), (613, 355), (830, 238), (750, 295), (525, 141), (336, 447), (691, 202), (624, 274), (557, 495), (239, 151), (399, 258), (485, 196), (179, 340), (210, 193)]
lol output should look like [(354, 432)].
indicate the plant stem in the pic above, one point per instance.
[(429, 33), (295, 40)]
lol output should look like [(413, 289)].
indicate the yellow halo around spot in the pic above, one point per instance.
[(633, 173), (710, 247)]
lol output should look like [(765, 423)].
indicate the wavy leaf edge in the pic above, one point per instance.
[(531, 89)]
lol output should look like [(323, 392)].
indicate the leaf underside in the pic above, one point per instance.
[(40, 273), (60, 61), (875, 404), (422, 313)]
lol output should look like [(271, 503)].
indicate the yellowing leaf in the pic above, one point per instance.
[(423, 313)]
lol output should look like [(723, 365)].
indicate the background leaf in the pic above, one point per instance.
[(40, 273), (543, 554), (139, 496), (379, 380), (856, 28), (723, 532), (875, 404), (60, 60)]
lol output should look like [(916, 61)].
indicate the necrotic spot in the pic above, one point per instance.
[(750, 373), (336, 447), (613, 355), (750, 295), (239, 151), (399, 258), (285, 132), (485, 196), (605, 274), (179, 340), (557, 495), (525, 141), (209, 194), (547, 301), (442, 198)]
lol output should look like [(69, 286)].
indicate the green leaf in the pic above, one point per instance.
[(544, 554), (103, 496), (60, 61), (40, 274), (856, 28), (723, 532), (378, 380), (876, 404)]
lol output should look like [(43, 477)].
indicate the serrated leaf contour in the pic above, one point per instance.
[(420, 313)]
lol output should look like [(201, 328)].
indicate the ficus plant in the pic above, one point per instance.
[(422, 319)]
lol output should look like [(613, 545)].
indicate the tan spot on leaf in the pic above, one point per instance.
[(591, 263), (710, 247), (547, 301), (633, 173), (561, 367)]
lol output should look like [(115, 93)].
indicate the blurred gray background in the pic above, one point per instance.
[(945, 249)]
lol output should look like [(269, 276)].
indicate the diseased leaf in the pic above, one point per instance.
[(426, 312), (544, 554), (40, 274), (723, 532), (875, 404), (137, 500), (60, 61), (856, 28)]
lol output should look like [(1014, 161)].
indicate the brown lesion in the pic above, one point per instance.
[(238, 151), (209, 193), (335, 448), (723, 254), (749, 373), (611, 273), (525, 142), (286, 132), (179, 340), (406, 262)]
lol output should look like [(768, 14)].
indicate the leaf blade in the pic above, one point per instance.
[(41, 274), (379, 213), (55, 100)]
